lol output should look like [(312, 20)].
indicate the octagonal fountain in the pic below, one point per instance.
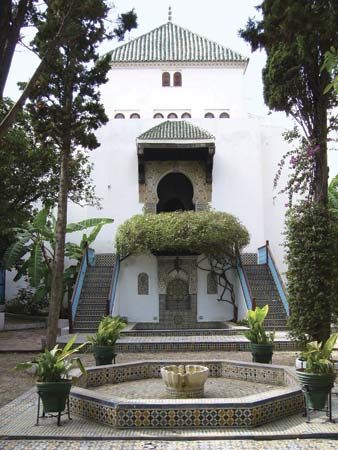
[(133, 395)]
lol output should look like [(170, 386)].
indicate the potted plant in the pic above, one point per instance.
[(103, 341), (52, 371), (318, 375), (261, 341)]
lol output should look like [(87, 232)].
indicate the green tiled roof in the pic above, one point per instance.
[(170, 42), (175, 130)]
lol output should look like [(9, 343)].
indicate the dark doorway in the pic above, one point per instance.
[(175, 193)]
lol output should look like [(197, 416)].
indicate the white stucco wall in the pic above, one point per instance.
[(137, 308), (204, 88), (208, 306)]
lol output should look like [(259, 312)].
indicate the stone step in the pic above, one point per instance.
[(104, 259)]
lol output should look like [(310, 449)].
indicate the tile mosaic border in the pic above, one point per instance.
[(249, 411)]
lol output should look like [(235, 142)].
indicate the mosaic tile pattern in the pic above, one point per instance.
[(252, 410), (315, 444), (18, 419)]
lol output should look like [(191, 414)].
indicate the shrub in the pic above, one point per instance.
[(311, 250), (26, 302), (207, 232)]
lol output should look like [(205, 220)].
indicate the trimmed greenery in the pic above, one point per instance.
[(108, 331), (311, 250), (257, 334), (54, 365), (207, 232), (318, 356)]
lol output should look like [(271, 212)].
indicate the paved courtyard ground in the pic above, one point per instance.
[(17, 430)]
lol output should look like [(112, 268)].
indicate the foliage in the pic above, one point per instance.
[(311, 252), (26, 302), (318, 356), (108, 331), (333, 195), (216, 235), (54, 365), (206, 232), (255, 319), (33, 252), (66, 107), (331, 65), (296, 36), (27, 171)]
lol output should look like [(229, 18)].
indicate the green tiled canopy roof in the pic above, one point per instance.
[(171, 42), (175, 130)]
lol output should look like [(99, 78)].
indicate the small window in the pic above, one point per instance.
[(172, 116), (224, 115), (212, 283), (186, 116), (165, 79), (119, 116), (158, 116), (135, 116), (143, 284), (209, 115), (177, 79)]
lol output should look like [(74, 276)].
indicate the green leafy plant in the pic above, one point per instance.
[(318, 355), (108, 331), (55, 365), (257, 334), (25, 302), (311, 254), (33, 251)]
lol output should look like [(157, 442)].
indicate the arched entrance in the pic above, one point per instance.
[(175, 193)]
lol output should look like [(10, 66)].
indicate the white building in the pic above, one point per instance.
[(179, 137)]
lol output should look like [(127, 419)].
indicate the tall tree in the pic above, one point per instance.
[(66, 109), (296, 35), (14, 15)]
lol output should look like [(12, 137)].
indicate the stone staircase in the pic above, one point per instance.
[(94, 295), (264, 290)]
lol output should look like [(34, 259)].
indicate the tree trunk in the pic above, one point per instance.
[(56, 296), (10, 27)]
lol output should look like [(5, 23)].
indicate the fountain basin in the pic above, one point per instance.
[(185, 381), (279, 396)]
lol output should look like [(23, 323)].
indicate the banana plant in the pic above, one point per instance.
[(32, 254)]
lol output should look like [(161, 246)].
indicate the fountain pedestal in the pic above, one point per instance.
[(185, 381)]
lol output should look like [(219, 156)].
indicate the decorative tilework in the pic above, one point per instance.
[(247, 411), (143, 284)]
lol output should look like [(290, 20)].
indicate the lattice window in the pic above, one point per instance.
[(143, 284), (212, 283)]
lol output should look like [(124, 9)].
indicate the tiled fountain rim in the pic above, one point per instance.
[(290, 386)]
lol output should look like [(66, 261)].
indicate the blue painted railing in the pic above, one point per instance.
[(2, 288), (113, 285), (249, 300), (88, 260), (265, 257)]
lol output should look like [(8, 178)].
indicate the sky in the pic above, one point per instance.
[(218, 20)]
